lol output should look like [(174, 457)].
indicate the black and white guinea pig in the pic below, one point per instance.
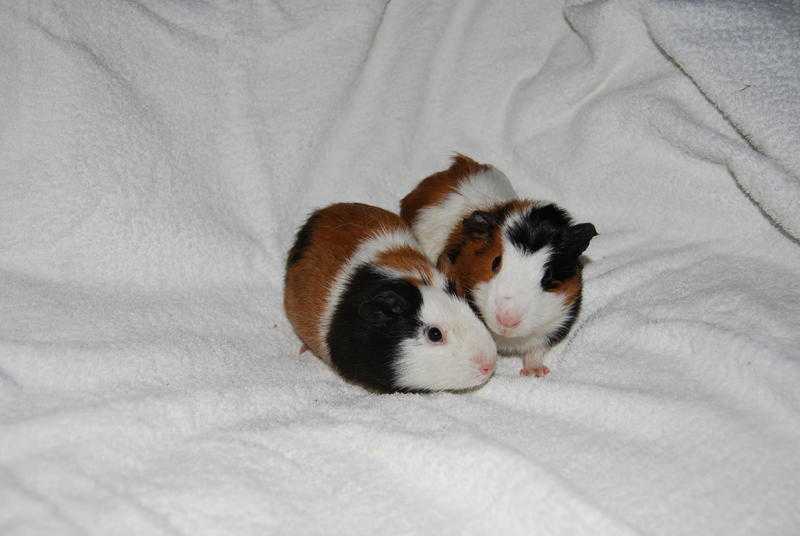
[(363, 297), (515, 260)]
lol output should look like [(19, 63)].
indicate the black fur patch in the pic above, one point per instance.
[(454, 251), (479, 224), (302, 240), (451, 288), (474, 306), (552, 226), (364, 346), (538, 228), (559, 267), (558, 335)]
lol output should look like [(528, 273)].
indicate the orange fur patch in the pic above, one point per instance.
[(570, 288), (473, 264), (433, 189), (409, 260), (339, 230)]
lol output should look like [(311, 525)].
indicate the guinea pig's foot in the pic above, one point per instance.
[(532, 364), (303, 349), (539, 371)]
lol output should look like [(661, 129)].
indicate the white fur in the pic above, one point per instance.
[(451, 365), (520, 275), (423, 365), (433, 224), (367, 251), (519, 280)]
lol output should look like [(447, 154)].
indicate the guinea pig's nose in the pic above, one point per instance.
[(485, 365), (508, 319)]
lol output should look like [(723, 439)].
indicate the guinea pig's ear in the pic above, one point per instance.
[(479, 224), (382, 307), (577, 237)]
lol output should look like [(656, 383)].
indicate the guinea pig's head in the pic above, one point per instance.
[(395, 334), (519, 265)]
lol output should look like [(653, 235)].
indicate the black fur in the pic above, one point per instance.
[(539, 227), (302, 240), (451, 288), (454, 252), (551, 225), (374, 314), (479, 224), (474, 306), (558, 335), (565, 262)]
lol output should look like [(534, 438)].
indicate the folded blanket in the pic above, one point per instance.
[(744, 58)]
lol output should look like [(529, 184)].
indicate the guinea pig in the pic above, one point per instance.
[(362, 296), (516, 261)]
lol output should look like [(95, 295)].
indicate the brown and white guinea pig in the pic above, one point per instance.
[(515, 260), (363, 297)]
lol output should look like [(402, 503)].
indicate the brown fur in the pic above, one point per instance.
[(432, 190), (516, 205), (339, 230), (473, 264), (473, 256), (570, 288), (407, 259)]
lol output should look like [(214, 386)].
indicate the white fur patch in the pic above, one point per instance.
[(367, 252), (453, 364), (517, 287), (423, 365), (434, 224)]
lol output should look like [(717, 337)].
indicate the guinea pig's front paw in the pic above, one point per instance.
[(539, 371), (532, 365)]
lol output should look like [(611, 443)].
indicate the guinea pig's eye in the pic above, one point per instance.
[(434, 334), (496, 263)]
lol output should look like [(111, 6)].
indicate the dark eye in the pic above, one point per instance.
[(496, 263), (434, 334)]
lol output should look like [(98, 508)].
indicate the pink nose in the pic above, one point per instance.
[(508, 319), (486, 366)]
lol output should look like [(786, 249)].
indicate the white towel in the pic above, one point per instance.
[(157, 157), (744, 57)]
